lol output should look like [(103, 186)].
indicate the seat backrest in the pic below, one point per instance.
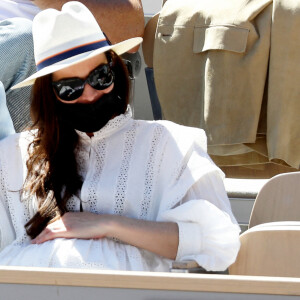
[(270, 249), (278, 200)]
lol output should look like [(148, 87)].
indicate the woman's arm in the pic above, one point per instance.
[(158, 237), (119, 19)]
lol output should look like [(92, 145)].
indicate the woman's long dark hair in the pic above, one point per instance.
[(52, 168)]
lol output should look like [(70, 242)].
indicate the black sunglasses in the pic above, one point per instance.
[(70, 89)]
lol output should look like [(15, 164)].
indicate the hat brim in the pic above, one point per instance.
[(119, 48)]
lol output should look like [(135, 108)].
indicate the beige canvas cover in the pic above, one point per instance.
[(212, 70)]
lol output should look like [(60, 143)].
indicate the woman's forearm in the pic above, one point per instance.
[(158, 237)]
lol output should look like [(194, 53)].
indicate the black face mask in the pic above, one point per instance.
[(91, 117)]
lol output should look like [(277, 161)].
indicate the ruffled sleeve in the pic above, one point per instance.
[(7, 233), (195, 198), (206, 234)]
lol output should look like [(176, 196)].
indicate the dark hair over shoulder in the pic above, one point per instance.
[(52, 168)]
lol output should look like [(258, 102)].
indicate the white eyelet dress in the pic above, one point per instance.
[(148, 170)]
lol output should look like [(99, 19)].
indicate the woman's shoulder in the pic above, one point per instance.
[(176, 133)]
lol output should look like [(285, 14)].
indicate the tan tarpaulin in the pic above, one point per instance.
[(231, 67)]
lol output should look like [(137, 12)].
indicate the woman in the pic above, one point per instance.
[(90, 187)]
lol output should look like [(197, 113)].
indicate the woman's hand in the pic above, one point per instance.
[(80, 225)]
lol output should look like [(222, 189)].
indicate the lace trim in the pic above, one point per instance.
[(123, 175), (3, 183), (82, 153), (181, 170), (73, 204), (26, 217), (100, 153), (149, 178)]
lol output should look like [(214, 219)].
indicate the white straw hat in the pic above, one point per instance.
[(68, 37)]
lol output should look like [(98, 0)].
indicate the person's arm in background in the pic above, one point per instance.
[(119, 19)]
